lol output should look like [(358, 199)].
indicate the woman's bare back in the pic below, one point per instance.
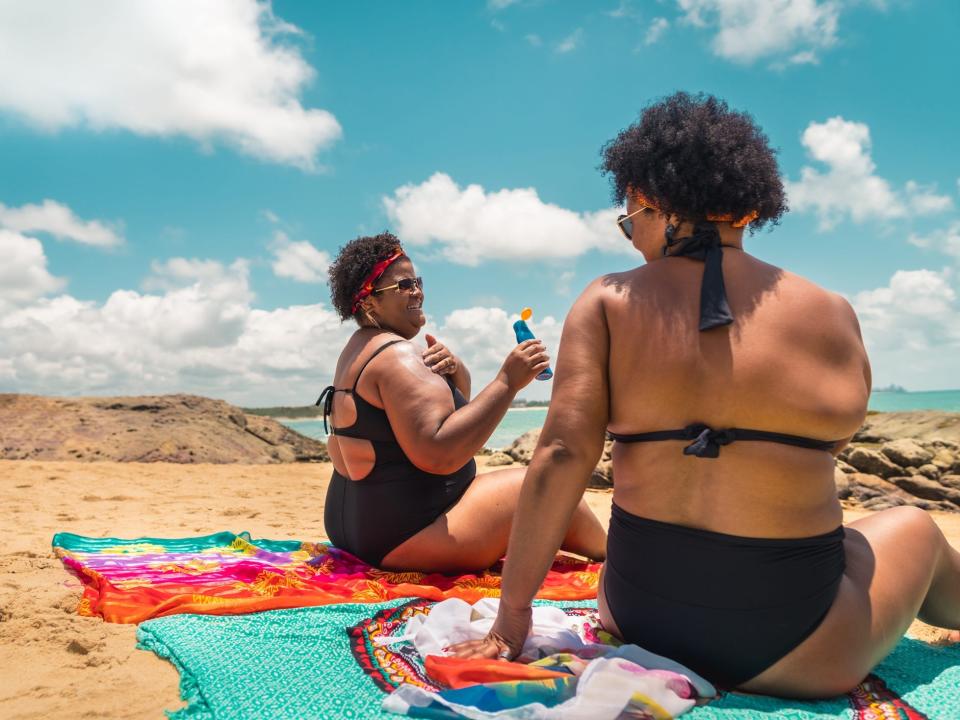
[(791, 362)]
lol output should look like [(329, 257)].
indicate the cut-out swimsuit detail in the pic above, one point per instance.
[(726, 606), (396, 499)]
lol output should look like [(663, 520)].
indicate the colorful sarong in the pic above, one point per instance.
[(132, 580)]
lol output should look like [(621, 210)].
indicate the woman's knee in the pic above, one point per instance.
[(917, 525)]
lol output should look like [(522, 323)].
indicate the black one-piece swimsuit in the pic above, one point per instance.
[(371, 516)]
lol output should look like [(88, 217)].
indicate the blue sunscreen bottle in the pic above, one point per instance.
[(523, 332)]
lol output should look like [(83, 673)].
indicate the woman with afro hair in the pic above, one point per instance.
[(405, 493), (729, 385)]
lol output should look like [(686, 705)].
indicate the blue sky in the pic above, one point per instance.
[(202, 164)]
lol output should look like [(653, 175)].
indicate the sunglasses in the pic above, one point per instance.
[(404, 285), (626, 224)]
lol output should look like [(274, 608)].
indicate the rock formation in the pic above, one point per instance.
[(163, 428)]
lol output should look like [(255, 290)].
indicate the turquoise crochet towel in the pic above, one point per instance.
[(303, 663)]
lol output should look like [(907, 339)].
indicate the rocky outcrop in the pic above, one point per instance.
[(912, 425), (157, 428), (903, 458), (521, 450), (499, 458)]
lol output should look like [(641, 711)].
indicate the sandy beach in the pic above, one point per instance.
[(55, 664)]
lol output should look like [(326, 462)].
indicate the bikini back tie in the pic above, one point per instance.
[(706, 442)]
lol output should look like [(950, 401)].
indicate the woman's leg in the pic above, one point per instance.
[(473, 534), (899, 567)]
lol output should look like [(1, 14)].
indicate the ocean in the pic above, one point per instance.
[(519, 420)]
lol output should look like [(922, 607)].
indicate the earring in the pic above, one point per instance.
[(668, 233), (372, 319)]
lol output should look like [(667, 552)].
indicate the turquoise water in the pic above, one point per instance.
[(931, 400), (517, 422)]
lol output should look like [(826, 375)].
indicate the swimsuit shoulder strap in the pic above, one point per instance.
[(369, 360)]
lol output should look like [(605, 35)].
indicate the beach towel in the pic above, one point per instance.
[(325, 662), (132, 580)]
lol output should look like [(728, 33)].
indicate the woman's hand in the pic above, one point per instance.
[(438, 357), (505, 639), (524, 363)]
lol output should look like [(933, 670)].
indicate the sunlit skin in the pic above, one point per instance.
[(792, 362), (406, 381)]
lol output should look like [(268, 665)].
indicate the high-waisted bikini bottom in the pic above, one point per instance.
[(727, 607)]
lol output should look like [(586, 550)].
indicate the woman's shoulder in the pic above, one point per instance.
[(360, 351), (811, 293)]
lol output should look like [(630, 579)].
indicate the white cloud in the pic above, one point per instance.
[(534, 39), (571, 42), (623, 10), (850, 186), (656, 30), (23, 271), (946, 241), (60, 221), (911, 328), (924, 199), (298, 261), (747, 30), (500, 4), (199, 334), (471, 225), (216, 71), (178, 272)]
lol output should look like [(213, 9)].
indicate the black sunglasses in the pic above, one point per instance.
[(403, 285), (626, 224)]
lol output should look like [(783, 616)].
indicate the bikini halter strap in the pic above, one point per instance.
[(704, 244)]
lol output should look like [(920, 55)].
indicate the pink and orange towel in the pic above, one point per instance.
[(132, 580)]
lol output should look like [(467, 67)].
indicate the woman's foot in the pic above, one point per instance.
[(947, 637)]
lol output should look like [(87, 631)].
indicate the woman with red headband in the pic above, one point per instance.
[(405, 493), (729, 385)]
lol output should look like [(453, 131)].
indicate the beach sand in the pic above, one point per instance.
[(55, 664)]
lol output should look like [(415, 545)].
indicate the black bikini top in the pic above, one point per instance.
[(372, 423), (704, 244)]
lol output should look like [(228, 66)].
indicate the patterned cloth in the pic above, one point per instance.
[(915, 682), (564, 670), (132, 580)]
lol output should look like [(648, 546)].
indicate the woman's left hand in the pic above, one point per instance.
[(438, 357)]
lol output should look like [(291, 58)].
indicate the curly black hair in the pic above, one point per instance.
[(354, 262), (693, 156)]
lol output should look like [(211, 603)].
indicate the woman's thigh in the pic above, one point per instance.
[(472, 535), (890, 560)]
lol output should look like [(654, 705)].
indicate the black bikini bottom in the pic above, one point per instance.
[(371, 517), (727, 607)]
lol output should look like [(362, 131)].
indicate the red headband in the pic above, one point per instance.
[(366, 287)]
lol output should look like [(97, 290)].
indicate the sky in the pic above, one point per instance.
[(176, 176)]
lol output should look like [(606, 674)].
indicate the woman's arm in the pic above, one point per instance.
[(436, 437), (570, 446)]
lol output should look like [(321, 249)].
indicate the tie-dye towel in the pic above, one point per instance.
[(132, 580)]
